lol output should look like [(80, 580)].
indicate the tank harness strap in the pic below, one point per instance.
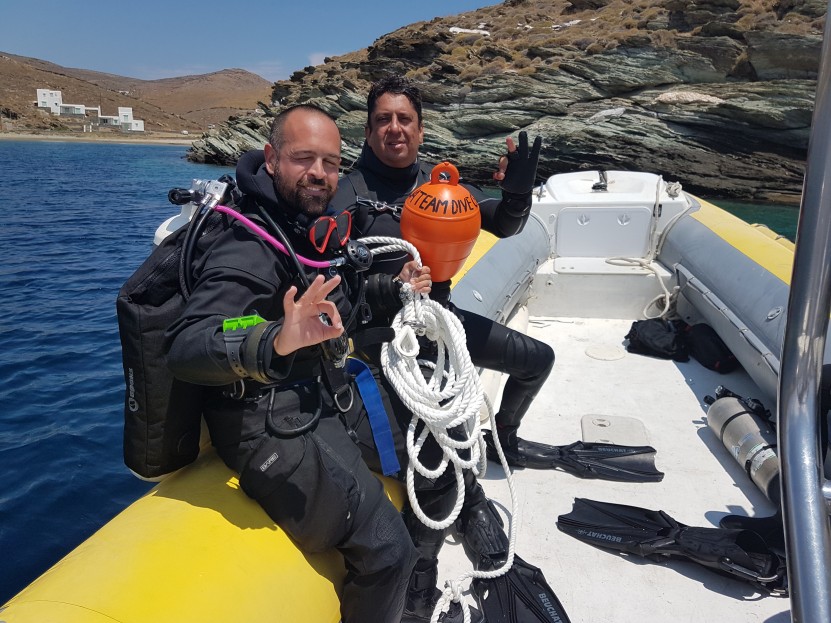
[(337, 383), (359, 186), (378, 418), (367, 337), (367, 200)]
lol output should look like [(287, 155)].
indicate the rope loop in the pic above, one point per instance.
[(445, 396)]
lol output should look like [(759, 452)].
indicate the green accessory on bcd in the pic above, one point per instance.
[(243, 322)]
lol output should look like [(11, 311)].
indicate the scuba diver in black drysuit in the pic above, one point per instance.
[(525, 360), (270, 417), (374, 192), (295, 427)]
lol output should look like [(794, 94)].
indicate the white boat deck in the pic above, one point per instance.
[(595, 376)]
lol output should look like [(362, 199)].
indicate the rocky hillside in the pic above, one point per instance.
[(185, 103), (717, 94)]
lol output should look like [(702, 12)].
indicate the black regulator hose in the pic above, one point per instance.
[(301, 273)]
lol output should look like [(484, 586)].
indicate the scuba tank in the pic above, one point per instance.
[(442, 219), (742, 427)]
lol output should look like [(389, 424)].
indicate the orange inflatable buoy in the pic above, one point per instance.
[(442, 220)]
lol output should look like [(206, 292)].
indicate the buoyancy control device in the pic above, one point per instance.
[(162, 414)]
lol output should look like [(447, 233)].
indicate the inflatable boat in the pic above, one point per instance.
[(602, 250)]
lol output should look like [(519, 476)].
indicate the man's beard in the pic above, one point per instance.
[(307, 204)]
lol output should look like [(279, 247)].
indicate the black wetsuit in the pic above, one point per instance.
[(314, 485), (527, 361), (375, 193)]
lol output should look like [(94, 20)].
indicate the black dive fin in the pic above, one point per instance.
[(769, 528), (609, 461), (522, 595), (585, 459), (741, 554)]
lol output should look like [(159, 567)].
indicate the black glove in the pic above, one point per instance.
[(522, 167)]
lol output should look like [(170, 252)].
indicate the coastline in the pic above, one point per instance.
[(92, 138)]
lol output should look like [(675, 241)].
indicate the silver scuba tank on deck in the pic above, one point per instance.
[(750, 439)]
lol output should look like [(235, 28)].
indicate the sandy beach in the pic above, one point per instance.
[(155, 138)]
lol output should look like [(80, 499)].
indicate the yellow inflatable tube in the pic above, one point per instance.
[(195, 548), (757, 243)]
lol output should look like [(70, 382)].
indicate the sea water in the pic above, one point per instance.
[(78, 219)]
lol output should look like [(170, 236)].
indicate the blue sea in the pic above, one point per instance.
[(79, 219)]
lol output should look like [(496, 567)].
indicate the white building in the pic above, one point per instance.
[(53, 101), (73, 110), (125, 114)]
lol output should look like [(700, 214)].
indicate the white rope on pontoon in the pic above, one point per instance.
[(667, 297), (450, 399)]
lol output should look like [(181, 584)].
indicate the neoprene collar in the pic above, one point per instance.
[(394, 178), (254, 180)]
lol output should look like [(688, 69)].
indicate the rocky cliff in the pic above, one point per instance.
[(717, 94)]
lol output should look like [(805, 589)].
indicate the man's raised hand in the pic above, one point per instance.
[(305, 322), (517, 170)]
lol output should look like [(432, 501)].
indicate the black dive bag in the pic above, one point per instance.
[(708, 349), (162, 414), (657, 337)]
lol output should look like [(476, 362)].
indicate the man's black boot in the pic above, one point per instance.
[(521, 452), (480, 526), (423, 595)]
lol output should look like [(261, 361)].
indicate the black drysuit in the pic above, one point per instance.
[(316, 485), (372, 192), (375, 193)]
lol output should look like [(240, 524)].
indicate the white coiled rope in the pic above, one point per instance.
[(667, 298), (450, 398), (666, 301)]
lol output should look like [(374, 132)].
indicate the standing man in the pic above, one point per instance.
[(387, 171), (270, 417)]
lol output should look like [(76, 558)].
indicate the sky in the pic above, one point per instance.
[(155, 39)]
